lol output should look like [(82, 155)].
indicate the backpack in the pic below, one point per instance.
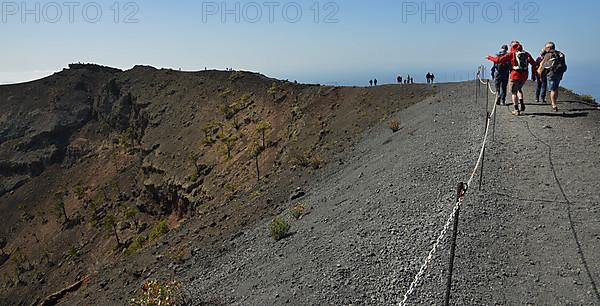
[(521, 60), (557, 62), (502, 69)]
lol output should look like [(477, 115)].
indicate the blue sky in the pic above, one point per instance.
[(369, 39)]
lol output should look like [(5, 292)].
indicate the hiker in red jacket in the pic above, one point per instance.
[(519, 61)]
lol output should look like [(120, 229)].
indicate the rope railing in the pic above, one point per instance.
[(455, 210)]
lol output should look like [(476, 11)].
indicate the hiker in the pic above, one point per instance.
[(428, 77), (370, 82), (399, 79), (554, 66), (500, 74), (541, 79), (412, 81), (432, 78), (375, 82), (520, 61)]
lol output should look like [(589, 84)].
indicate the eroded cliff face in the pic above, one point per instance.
[(38, 118)]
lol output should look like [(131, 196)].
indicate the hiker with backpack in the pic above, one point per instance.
[(541, 80), (554, 66), (500, 74), (519, 72)]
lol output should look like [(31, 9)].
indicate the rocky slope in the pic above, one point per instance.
[(92, 158), (529, 236), (156, 142)]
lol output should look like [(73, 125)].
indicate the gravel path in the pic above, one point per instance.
[(374, 217)]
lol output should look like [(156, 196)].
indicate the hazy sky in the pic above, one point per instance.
[(348, 38)]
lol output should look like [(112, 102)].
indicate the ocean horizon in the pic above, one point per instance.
[(579, 78)]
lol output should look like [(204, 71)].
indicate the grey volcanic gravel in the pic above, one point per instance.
[(374, 217)]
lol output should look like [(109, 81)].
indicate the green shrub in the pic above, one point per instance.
[(158, 230), (124, 139), (588, 98), (137, 244), (279, 228), (194, 177), (71, 253), (79, 192)]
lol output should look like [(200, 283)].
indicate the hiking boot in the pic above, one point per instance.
[(544, 101), (498, 101), (516, 113), (522, 103)]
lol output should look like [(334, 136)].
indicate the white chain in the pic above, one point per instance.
[(442, 234), (419, 275)]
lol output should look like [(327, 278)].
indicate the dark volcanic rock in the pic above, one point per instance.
[(38, 119)]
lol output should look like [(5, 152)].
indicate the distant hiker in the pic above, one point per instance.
[(370, 82), (399, 79), (412, 81), (432, 78), (520, 61), (428, 77), (500, 74), (375, 82), (541, 79), (554, 65)]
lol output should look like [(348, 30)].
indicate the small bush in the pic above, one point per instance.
[(137, 244), (308, 159), (158, 230), (298, 211), (194, 177), (79, 192), (124, 139), (588, 98), (395, 125), (279, 228), (163, 293), (273, 90)]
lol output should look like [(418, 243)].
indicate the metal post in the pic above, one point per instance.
[(487, 104), (481, 170), (477, 89), (461, 189), (451, 264)]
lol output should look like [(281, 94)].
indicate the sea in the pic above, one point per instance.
[(582, 79)]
